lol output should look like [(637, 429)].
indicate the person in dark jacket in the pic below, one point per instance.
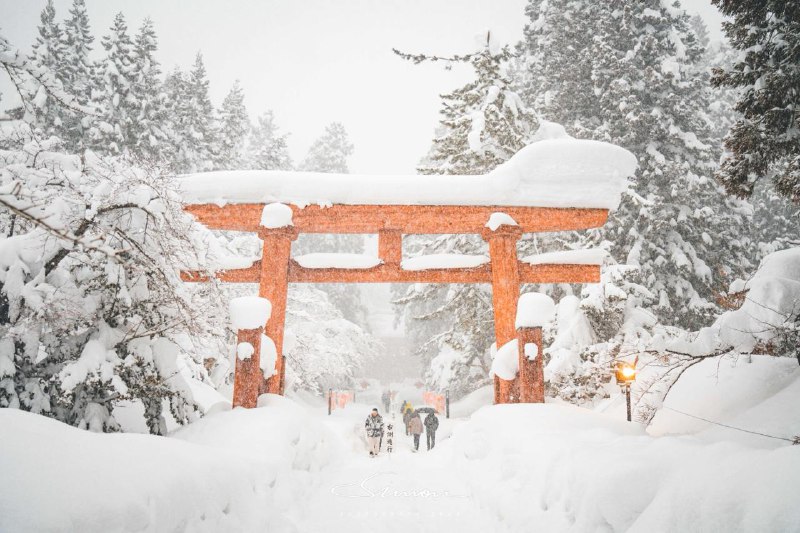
[(431, 425)]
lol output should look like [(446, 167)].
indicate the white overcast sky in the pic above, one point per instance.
[(318, 61)]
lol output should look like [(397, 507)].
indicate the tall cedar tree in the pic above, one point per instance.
[(765, 140), (267, 148), (149, 140), (77, 73), (234, 126), (48, 53), (114, 97)]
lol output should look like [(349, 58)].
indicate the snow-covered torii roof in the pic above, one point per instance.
[(557, 172)]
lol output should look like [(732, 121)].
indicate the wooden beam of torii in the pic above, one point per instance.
[(505, 272)]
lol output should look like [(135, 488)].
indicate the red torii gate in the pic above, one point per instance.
[(505, 272)]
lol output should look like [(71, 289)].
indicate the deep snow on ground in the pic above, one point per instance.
[(288, 467)]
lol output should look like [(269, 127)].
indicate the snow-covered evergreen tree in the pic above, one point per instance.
[(647, 93), (191, 118), (48, 53), (267, 148), (764, 141), (323, 349), (330, 151), (149, 139), (234, 126), (114, 97), (77, 73), (328, 154), (483, 123)]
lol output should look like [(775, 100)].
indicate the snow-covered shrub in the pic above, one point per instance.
[(767, 322), (92, 310), (322, 348), (609, 321)]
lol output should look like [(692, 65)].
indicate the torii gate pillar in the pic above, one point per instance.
[(248, 375), (531, 372), (274, 285), (505, 294)]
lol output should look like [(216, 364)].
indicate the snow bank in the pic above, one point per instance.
[(553, 172), (563, 468), (770, 307), (250, 312), (276, 215), (434, 261), (592, 256), (219, 474), (759, 393), (337, 260), (534, 310)]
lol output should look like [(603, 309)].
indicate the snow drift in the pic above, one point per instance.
[(218, 474), (583, 471)]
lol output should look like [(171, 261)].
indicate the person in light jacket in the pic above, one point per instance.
[(415, 428), (374, 429)]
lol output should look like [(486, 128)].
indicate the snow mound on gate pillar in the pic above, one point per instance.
[(249, 312)]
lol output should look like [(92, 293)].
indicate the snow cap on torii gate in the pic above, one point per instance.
[(555, 184)]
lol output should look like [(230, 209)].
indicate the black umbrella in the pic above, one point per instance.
[(426, 410)]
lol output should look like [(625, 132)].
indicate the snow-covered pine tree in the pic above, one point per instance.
[(484, 122), (77, 72), (328, 154), (330, 151), (646, 93), (48, 53), (482, 125), (148, 136), (116, 76), (176, 89), (773, 222), (764, 141), (201, 137), (234, 125), (191, 122), (267, 149)]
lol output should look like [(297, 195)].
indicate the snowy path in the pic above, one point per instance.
[(403, 492)]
